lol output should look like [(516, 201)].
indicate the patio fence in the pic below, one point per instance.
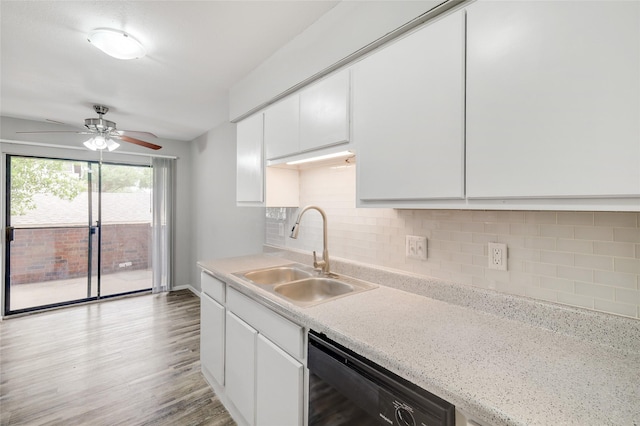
[(48, 254)]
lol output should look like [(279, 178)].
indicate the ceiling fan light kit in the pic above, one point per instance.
[(104, 132), (100, 142), (116, 43)]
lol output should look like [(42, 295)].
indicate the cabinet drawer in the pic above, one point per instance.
[(276, 328), (212, 286)]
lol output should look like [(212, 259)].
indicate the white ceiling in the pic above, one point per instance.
[(196, 50)]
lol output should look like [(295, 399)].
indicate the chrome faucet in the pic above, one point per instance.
[(324, 263)]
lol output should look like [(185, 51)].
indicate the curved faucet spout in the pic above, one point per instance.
[(324, 263)]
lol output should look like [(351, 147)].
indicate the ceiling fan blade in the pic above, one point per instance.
[(61, 131), (55, 122), (138, 142), (121, 132)]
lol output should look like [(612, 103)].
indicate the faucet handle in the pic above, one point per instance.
[(317, 264)]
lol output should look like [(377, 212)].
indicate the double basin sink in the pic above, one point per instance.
[(304, 286)]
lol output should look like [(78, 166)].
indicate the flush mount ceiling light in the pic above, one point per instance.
[(116, 43), (100, 142)]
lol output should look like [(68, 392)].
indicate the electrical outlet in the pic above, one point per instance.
[(498, 256), (416, 247)]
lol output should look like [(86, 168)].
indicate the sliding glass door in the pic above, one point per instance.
[(125, 224), (76, 231)]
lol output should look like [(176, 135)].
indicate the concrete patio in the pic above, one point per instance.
[(49, 292)]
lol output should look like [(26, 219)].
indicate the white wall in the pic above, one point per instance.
[(346, 28), (9, 127), (219, 228), (584, 259)]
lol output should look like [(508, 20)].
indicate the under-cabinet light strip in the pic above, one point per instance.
[(321, 157)]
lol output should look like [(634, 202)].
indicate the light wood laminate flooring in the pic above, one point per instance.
[(132, 361)]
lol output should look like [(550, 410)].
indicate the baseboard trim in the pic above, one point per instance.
[(187, 287)]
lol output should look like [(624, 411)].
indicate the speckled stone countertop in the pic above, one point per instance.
[(492, 364)]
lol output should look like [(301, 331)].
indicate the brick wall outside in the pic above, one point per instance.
[(39, 255)]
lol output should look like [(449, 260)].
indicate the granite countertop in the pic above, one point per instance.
[(495, 369)]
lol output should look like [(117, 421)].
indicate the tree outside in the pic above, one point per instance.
[(67, 180)]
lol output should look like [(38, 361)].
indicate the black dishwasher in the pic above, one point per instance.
[(347, 389)]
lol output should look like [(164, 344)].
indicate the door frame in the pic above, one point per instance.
[(6, 214)]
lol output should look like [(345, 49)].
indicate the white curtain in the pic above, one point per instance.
[(162, 232)]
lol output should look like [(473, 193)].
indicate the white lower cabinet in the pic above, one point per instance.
[(241, 366), (264, 372), (255, 356), (279, 386), (212, 337)]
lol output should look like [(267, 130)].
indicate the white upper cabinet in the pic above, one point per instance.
[(553, 99), (408, 117), (317, 117), (324, 112), (250, 161), (281, 127)]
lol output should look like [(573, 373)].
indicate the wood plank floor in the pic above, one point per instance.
[(133, 361)]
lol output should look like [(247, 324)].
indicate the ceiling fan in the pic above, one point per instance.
[(104, 132)]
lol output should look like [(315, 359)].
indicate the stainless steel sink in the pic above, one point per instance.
[(279, 275), (303, 285), (313, 289)]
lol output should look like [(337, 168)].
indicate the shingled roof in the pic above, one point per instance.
[(116, 208)]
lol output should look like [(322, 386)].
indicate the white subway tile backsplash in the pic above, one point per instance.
[(594, 290), (541, 293), (496, 228), (575, 218), (628, 235), (618, 219), (579, 274), (614, 249), (574, 246), (616, 279), (547, 218), (557, 258), (557, 284), (630, 266), (627, 296), (584, 259), (476, 227), (594, 233), (543, 269), (556, 231), (540, 243), (594, 262), (575, 300), (616, 308), (524, 229)]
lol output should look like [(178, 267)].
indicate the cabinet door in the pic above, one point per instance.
[(241, 366), (250, 162), (409, 116), (553, 99), (281, 128), (279, 386), (324, 112), (212, 337)]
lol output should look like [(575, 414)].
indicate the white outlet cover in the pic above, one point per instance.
[(497, 256)]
